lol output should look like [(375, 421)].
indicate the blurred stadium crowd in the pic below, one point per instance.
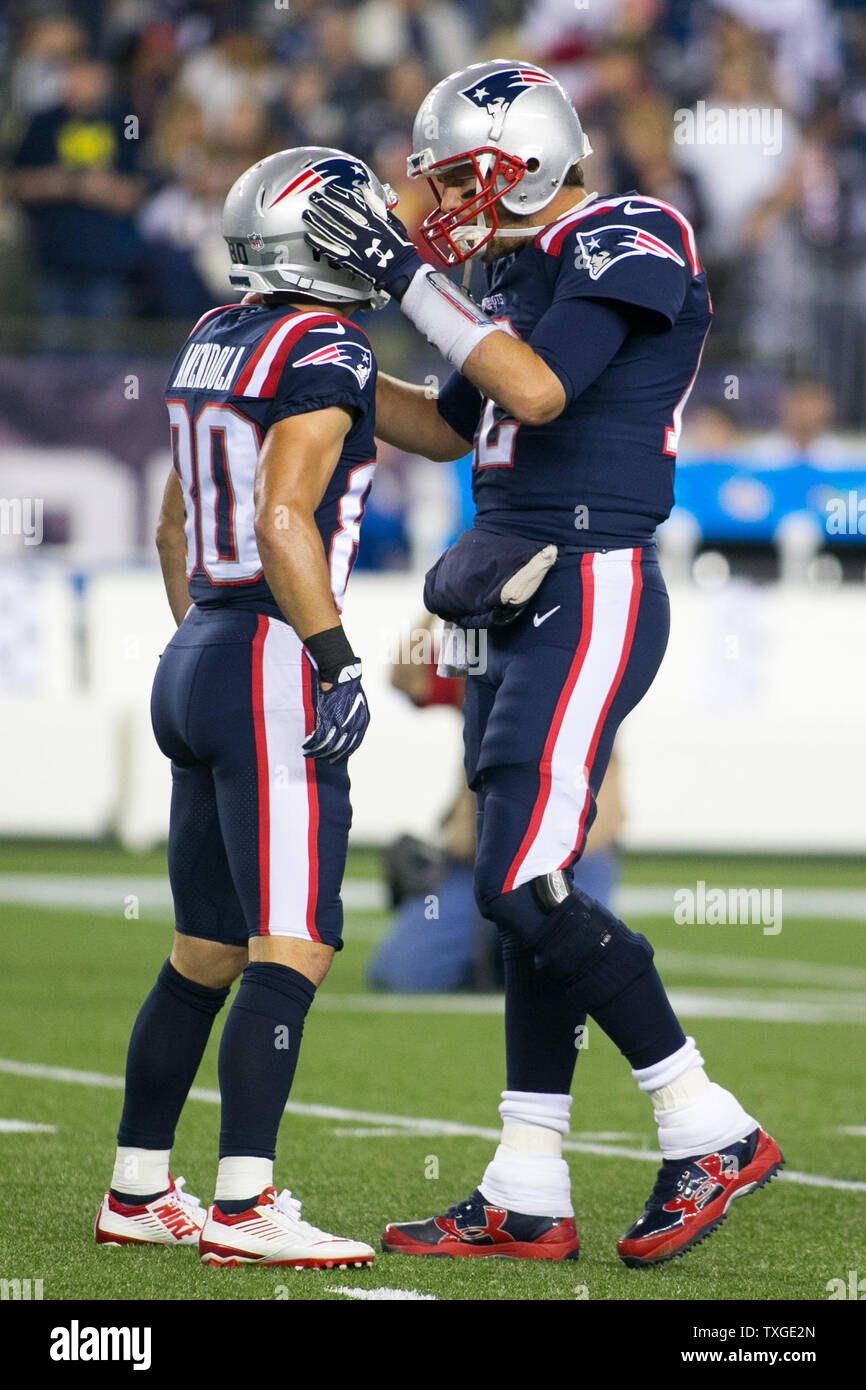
[(125, 122)]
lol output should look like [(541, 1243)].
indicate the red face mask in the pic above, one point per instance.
[(439, 228)]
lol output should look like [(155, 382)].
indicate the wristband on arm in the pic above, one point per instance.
[(447, 317), (331, 651)]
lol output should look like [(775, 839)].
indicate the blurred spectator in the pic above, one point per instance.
[(303, 113), (740, 169), (805, 433), (435, 31), (348, 82), (77, 179), (646, 163), (46, 48), (804, 38), (571, 39), (185, 264), (231, 71), (212, 83), (709, 432)]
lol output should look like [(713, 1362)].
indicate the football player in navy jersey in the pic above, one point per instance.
[(570, 380), (258, 703)]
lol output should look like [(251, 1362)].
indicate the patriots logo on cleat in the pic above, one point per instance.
[(352, 356), (495, 92), (601, 248), (335, 170), (703, 1183), (491, 1232)]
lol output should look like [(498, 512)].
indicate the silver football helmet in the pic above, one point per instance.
[(515, 125), (265, 235)]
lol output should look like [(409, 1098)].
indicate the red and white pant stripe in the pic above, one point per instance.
[(288, 801), (611, 584)]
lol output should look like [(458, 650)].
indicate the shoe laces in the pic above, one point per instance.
[(667, 1181), (290, 1206), (186, 1199), (462, 1208)]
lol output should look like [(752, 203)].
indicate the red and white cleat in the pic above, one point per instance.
[(175, 1218), (272, 1233)]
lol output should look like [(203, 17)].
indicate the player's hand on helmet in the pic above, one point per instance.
[(342, 716), (355, 228)]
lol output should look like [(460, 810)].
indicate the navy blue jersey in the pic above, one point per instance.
[(243, 368), (600, 476)]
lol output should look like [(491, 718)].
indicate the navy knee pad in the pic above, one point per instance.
[(584, 945)]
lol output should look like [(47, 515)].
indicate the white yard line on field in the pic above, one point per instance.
[(25, 1127), (107, 894), (843, 1007), (410, 1124), (376, 1295)]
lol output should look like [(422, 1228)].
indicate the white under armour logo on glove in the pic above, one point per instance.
[(383, 257)]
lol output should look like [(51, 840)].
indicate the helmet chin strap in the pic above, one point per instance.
[(514, 232), (531, 231)]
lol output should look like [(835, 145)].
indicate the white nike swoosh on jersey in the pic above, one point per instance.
[(630, 210), (536, 621), (329, 328)]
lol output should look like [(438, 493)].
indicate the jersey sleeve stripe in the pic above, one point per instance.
[(551, 239), (687, 230)]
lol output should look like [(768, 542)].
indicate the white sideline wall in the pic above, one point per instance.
[(752, 737)]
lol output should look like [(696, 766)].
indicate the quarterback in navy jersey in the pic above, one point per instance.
[(570, 382), (258, 703)]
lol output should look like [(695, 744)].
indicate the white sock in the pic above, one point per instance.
[(528, 1173), (693, 1114), (239, 1177), (140, 1171)]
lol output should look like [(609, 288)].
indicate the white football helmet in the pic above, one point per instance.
[(265, 235), (515, 125)]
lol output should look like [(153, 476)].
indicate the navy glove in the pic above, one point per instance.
[(354, 228), (342, 716)]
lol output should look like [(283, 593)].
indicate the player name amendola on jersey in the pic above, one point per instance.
[(207, 366)]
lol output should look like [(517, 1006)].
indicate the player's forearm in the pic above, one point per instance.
[(406, 416), (516, 378), (504, 369), (293, 560)]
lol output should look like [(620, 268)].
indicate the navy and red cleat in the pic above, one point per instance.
[(477, 1227), (692, 1195)]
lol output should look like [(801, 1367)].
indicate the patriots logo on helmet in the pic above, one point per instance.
[(352, 356), (602, 247), (335, 170), (495, 92)]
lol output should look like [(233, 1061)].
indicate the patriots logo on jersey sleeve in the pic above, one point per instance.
[(354, 357), (599, 249), (335, 170), (498, 90)]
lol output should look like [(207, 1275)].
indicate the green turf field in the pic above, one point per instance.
[(780, 1018)]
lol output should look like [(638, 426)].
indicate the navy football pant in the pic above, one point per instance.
[(258, 833), (540, 722), (539, 728)]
